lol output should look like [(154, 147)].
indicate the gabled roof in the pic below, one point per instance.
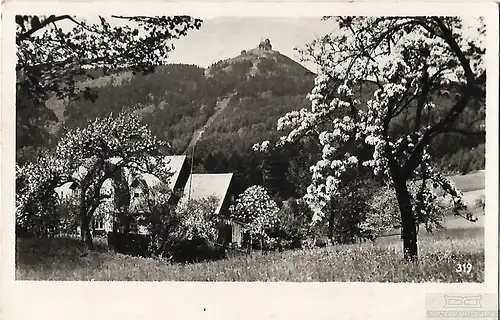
[(65, 190), (199, 186), (174, 163)]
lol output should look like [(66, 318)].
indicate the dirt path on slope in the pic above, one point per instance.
[(219, 107)]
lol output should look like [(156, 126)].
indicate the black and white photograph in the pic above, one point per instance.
[(334, 147), (329, 148), (250, 158)]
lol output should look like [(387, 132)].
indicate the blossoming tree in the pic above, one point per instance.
[(88, 158), (255, 208), (409, 62)]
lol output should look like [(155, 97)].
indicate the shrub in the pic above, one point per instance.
[(480, 202), (162, 224), (197, 231), (55, 217), (345, 212), (294, 227), (383, 213), (198, 219), (181, 233), (186, 233), (350, 210), (67, 212)]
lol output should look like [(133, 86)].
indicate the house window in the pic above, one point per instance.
[(98, 224)]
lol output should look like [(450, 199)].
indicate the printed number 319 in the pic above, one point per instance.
[(464, 267)]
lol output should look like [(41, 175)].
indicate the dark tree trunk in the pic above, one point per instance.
[(408, 225), (85, 234)]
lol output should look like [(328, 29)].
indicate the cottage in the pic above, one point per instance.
[(199, 186), (102, 221), (184, 185)]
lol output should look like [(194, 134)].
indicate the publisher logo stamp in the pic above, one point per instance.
[(461, 306)]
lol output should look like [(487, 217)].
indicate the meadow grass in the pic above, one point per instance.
[(61, 259)]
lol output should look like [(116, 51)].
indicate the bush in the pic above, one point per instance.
[(182, 233), (185, 233), (55, 217), (294, 227), (162, 224), (198, 219), (480, 202), (383, 213), (130, 243), (346, 212), (67, 213), (197, 231), (196, 250)]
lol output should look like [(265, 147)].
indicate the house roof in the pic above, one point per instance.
[(175, 164), (65, 190), (199, 186)]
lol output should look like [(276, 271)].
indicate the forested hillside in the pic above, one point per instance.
[(258, 86)]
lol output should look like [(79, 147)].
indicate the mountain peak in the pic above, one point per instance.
[(261, 59)]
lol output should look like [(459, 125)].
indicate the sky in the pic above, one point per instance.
[(223, 38)]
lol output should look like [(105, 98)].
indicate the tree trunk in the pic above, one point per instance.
[(85, 234), (408, 225)]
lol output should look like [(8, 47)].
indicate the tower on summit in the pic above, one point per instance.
[(266, 45)]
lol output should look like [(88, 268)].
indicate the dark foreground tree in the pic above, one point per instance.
[(56, 54), (408, 62)]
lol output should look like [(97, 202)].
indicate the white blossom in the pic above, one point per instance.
[(398, 66)]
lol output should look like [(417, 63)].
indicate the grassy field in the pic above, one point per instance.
[(469, 182), (439, 254), (60, 259)]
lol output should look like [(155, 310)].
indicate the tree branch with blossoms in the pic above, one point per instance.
[(411, 61), (89, 157)]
